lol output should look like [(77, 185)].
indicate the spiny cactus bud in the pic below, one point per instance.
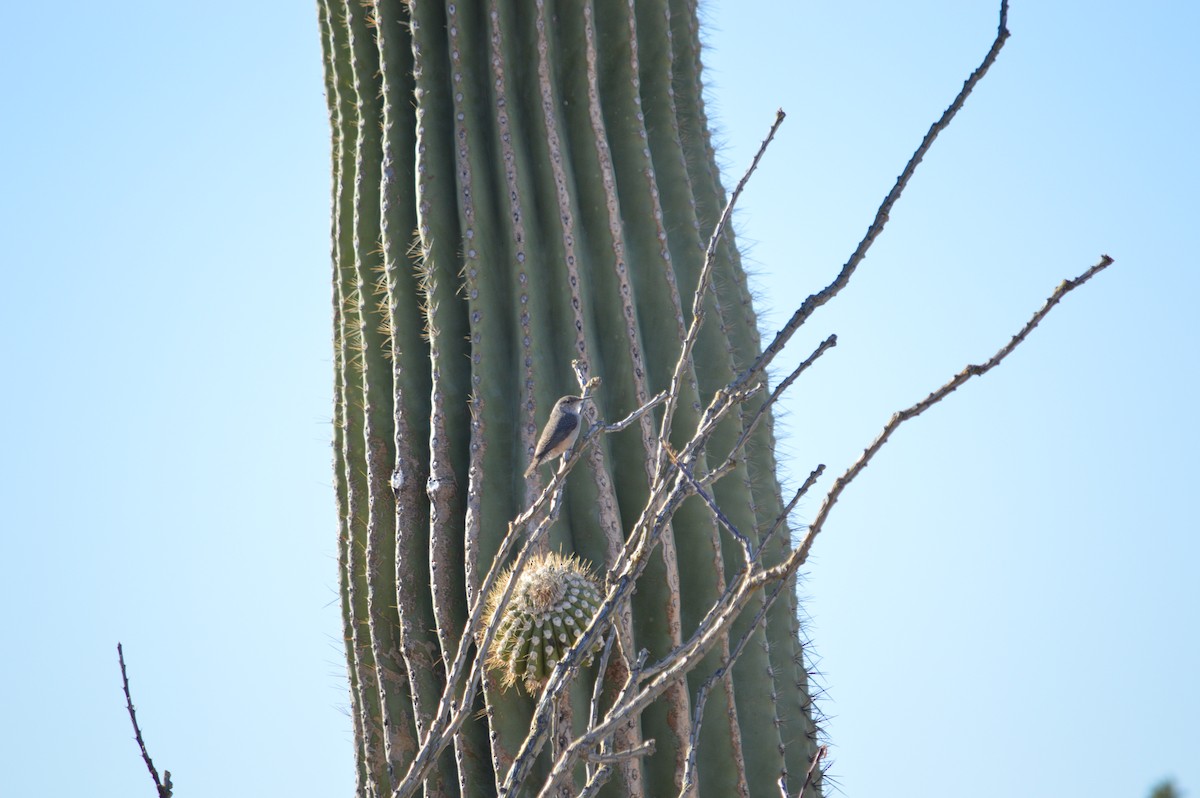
[(554, 599)]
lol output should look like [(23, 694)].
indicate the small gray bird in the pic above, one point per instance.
[(561, 430)]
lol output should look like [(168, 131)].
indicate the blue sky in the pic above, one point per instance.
[(1005, 601)]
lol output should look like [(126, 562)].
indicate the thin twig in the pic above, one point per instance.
[(813, 476), (812, 769), (825, 345), (597, 780), (743, 541), (452, 708), (693, 749), (732, 591), (598, 686), (645, 749), (818, 299), (717, 473), (635, 676), (617, 426), (163, 785), (710, 258), (798, 556), (729, 606), (667, 494)]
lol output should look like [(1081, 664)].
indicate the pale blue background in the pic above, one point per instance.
[(1005, 603)]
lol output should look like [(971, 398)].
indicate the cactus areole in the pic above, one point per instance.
[(518, 185)]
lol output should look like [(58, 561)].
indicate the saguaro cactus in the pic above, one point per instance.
[(520, 184)]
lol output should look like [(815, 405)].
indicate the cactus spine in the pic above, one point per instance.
[(554, 162)]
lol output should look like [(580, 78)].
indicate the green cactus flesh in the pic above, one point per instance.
[(517, 185)]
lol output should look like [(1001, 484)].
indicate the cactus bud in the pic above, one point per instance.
[(554, 600)]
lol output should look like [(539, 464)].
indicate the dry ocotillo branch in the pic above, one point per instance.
[(825, 346), (808, 776), (693, 747), (598, 685), (710, 256), (734, 653), (741, 576), (684, 657), (645, 749), (666, 495), (743, 541), (798, 556), (780, 572), (654, 402), (813, 476), (631, 699), (453, 708), (163, 785), (597, 780), (812, 769), (818, 299), (722, 403)]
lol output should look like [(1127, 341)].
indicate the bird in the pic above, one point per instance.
[(561, 430)]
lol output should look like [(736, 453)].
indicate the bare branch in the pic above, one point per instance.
[(561, 734), (453, 709), (813, 769), (710, 257), (693, 749), (655, 401), (717, 473), (743, 541), (722, 403), (667, 492), (809, 306), (164, 785), (645, 749), (801, 553), (684, 657), (791, 505), (825, 346), (598, 687), (598, 780), (731, 593)]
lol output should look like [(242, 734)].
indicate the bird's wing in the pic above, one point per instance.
[(553, 436)]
